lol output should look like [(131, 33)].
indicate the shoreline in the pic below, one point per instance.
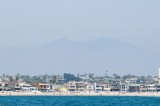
[(145, 94)]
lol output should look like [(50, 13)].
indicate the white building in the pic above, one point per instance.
[(124, 88), (106, 87), (150, 88), (97, 87), (131, 80), (30, 89), (89, 87), (2, 86), (76, 86)]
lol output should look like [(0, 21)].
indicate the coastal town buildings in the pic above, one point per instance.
[(72, 83)]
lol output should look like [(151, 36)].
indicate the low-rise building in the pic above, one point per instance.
[(13, 85), (44, 87), (2, 86), (158, 87), (134, 88), (150, 88), (97, 87), (131, 80), (143, 88), (89, 87), (30, 89), (106, 87), (115, 87), (123, 87), (76, 86)]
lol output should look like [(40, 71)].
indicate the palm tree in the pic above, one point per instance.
[(17, 77), (11, 78), (53, 81), (90, 75)]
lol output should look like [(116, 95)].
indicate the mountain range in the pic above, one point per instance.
[(67, 56)]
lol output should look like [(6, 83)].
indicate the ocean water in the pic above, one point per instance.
[(78, 101)]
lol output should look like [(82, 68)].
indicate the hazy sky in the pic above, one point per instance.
[(26, 23)]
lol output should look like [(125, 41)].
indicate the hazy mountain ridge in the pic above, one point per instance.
[(63, 55), (102, 43)]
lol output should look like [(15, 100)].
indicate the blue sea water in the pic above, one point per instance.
[(78, 101)]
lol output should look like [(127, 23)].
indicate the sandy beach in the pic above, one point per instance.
[(9, 93)]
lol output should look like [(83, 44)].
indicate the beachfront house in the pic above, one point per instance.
[(2, 86), (97, 87), (158, 87), (115, 87), (76, 86), (123, 87), (134, 88), (80, 86), (13, 86), (27, 87), (30, 89), (72, 86), (143, 88), (89, 87), (59, 88), (44, 87), (151, 88), (106, 87)]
